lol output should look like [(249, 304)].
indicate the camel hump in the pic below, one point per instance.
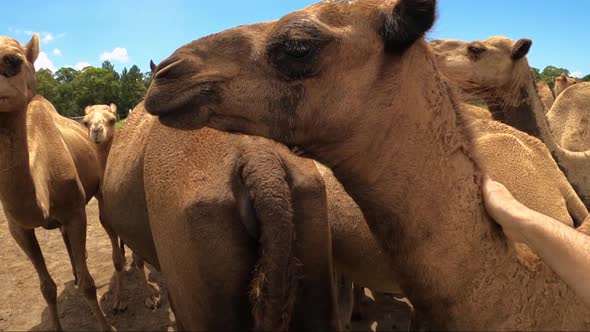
[(273, 287)]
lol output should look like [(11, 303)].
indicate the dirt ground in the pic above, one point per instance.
[(22, 306)]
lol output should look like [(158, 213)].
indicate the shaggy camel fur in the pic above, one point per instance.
[(48, 172), (570, 118), (546, 94), (401, 148), (100, 121), (497, 70), (561, 83), (242, 218)]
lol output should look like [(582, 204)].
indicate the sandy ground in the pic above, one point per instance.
[(22, 306)]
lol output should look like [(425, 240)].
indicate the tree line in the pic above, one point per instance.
[(71, 90), (550, 71)]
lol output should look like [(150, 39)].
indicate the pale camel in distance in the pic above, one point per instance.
[(48, 172), (546, 94), (100, 121), (569, 118), (355, 85), (561, 83), (496, 69)]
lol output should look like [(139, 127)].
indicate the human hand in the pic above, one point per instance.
[(505, 209)]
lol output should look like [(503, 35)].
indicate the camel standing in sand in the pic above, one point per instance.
[(100, 121), (401, 149), (561, 83), (569, 118), (497, 70), (48, 172)]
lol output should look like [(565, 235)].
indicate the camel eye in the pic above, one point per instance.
[(85, 122), (474, 50), (295, 59), (298, 49), (13, 61)]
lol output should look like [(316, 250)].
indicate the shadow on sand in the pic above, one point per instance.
[(75, 314)]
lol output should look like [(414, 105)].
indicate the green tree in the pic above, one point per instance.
[(586, 78), (550, 71), (96, 86), (536, 73), (132, 90), (46, 84)]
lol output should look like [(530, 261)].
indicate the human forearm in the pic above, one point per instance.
[(564, 249)]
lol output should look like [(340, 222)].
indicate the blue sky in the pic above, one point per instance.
[(127, 32)]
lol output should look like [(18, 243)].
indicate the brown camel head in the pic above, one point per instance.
[(100, 121), (562, 82), (488, 64), (300, 79), (17, 73)]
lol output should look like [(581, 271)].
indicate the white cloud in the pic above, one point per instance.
[(45, 37), (43, 61), (57, 52), (118, 54), (576, 73), (82, 65)]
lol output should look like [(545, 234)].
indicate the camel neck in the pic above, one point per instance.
[(103, 150), (17, 189), (424, 203), (520, 106)]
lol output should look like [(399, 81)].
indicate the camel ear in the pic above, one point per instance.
[(408, 22), (113, 108), (563, 77), (153, 66), (521, 48), (87, 110), (32, 48)]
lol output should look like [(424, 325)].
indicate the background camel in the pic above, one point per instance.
[(561, 83), (497, 70), (48, 172), (546, 94), (401, 149), (570, 118), (100, 121)]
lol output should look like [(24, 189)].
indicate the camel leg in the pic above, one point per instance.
[(357, 307), (152, 295), (119, 304), (344, 287), (26, 240), (75, 228), (69, 249), (313, 248)]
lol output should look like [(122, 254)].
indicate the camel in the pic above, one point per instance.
[(546, 94), (497, 70), (569, 118), (354, 84), (561, 83), (237, 222), (48, 172), (100, 121)]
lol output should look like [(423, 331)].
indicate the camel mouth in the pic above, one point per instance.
[(163, 98)]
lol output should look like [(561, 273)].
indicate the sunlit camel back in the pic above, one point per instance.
[(569, 118), (496, 69), (561, 83), (354, 84), (48, 172)]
